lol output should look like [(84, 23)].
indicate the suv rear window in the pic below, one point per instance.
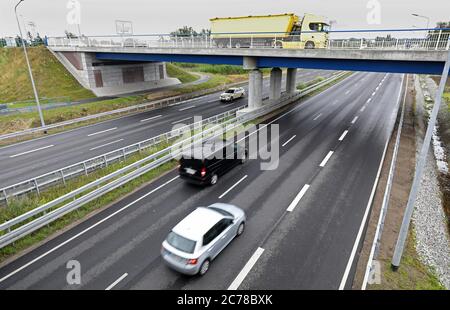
[(181, 243)]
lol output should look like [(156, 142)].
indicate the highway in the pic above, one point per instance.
[(305, 218), (23, 161)]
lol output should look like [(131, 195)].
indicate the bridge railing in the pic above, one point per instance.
[(388, 39)]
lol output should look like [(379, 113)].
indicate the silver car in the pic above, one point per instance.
[(195, 241)]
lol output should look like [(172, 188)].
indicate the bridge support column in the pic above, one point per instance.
[(275, 83), (291, 80), (255, 87)]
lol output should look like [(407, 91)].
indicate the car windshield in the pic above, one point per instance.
[(223, 212), (181, 243), (230, 91)]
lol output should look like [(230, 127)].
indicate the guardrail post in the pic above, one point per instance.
[(438, 40), (361, 44), (37, 187), (85, 169), (251, 41), (6, 196), (230, 41), (105, 160), (396, 44), (124, 155), (62, 176)]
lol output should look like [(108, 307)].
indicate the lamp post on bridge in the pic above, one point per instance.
[(36, 96)]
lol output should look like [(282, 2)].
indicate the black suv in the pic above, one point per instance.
[(204, 164)]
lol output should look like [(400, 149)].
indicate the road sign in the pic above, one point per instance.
[(124, 27)]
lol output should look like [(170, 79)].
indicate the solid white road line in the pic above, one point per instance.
[(181, 120), (187, 108), (231, 188), (241, 276), (106, 144), (315, 118), (103, 131), (116, 282), (369, 203), (297, 198), (150, 118), (325, 160), (35, 150), (85, 231), (292, 138), (343, 135), (355, 119)]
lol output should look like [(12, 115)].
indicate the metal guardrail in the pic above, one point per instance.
[(135, 108), (387, 39), (32, 221), (60, 176)]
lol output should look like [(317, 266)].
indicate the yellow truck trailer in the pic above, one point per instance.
[(281, 30)]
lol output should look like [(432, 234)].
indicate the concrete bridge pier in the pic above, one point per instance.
[(275, 83), (255, 89), (255, 83), (291, 80)]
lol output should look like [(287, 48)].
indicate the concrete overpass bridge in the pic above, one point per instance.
[(402, 55)]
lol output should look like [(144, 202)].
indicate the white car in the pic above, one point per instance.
[(232, 94), (195, 241)]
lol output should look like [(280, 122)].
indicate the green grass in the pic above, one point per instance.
[(22, 121), (52, 79), (215, 69), (411, 275), (309, 83), (177, 72)]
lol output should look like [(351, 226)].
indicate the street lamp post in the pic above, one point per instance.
[(29, 67), (425, 17)]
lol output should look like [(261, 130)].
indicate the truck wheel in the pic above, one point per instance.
[(237, 45), (309, 45)]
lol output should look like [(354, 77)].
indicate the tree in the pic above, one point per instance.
[(185, 31), (38, 40)]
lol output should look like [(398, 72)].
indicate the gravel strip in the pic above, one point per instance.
[(432, 240)]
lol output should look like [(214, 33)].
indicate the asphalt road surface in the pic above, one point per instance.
[(33, 158), (304, 217)]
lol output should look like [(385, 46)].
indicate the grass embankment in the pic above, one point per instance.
[(411, 275), (182, 75), (22, 121), (52, 79)]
